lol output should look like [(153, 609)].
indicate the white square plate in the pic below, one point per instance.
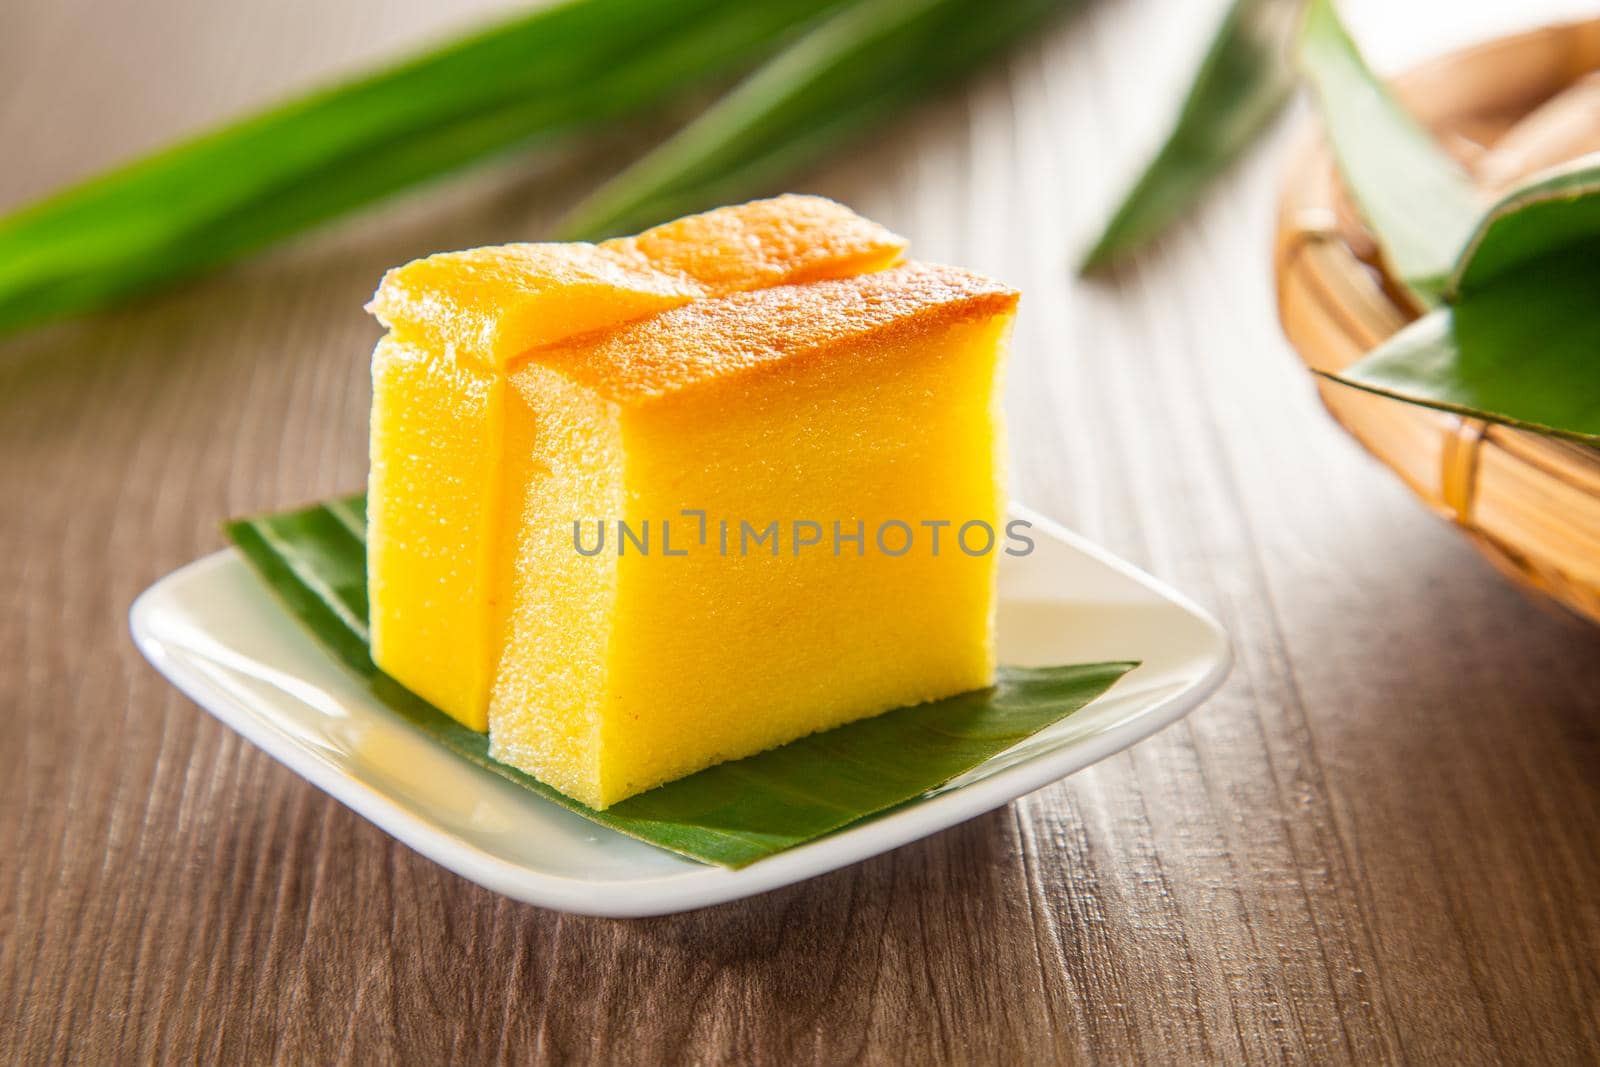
[(217, 632)]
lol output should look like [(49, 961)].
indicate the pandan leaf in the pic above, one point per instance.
[(1551, 214), (1519, 339), (1419, 203), (314, 559), (851, 72), (1243, 81), (567, 67)]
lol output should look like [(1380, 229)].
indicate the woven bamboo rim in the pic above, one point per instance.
[(1530, 503)]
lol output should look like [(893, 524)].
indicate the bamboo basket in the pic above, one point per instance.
[(1531, 503)]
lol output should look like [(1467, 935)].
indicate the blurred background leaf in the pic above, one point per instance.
[(1243, 81), (841, 67), (562, 69), (857, 68)]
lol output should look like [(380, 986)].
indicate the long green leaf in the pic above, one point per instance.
[(314, 559), (1243, 81), (564, 68), (1482, 361), (1420, 204), (850, 73), (1519, 342)]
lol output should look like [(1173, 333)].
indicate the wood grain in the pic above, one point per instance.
[(1377, 844)]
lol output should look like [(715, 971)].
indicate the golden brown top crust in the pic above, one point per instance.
[(715, 339), (493, 304), (786, 240)]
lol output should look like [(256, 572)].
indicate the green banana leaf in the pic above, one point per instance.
[(1243, 81), (564, 68), (1518, 341), (1419, 203), (314, 559), (854, 70)]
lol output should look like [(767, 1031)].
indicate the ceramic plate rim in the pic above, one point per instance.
[(710, 885)]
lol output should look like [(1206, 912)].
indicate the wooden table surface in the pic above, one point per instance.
[(1379, 842)]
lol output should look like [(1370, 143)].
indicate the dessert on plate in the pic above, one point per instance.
[(644, 506)]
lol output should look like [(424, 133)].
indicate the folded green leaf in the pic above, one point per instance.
[(566, 67), (1552, 214), (1482, 361), (733, 814), (1243, 81), (852, 71), (1519, 341), (1420, 204)]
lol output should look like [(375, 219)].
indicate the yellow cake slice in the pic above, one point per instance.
[(439, 407), (770, 428)]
